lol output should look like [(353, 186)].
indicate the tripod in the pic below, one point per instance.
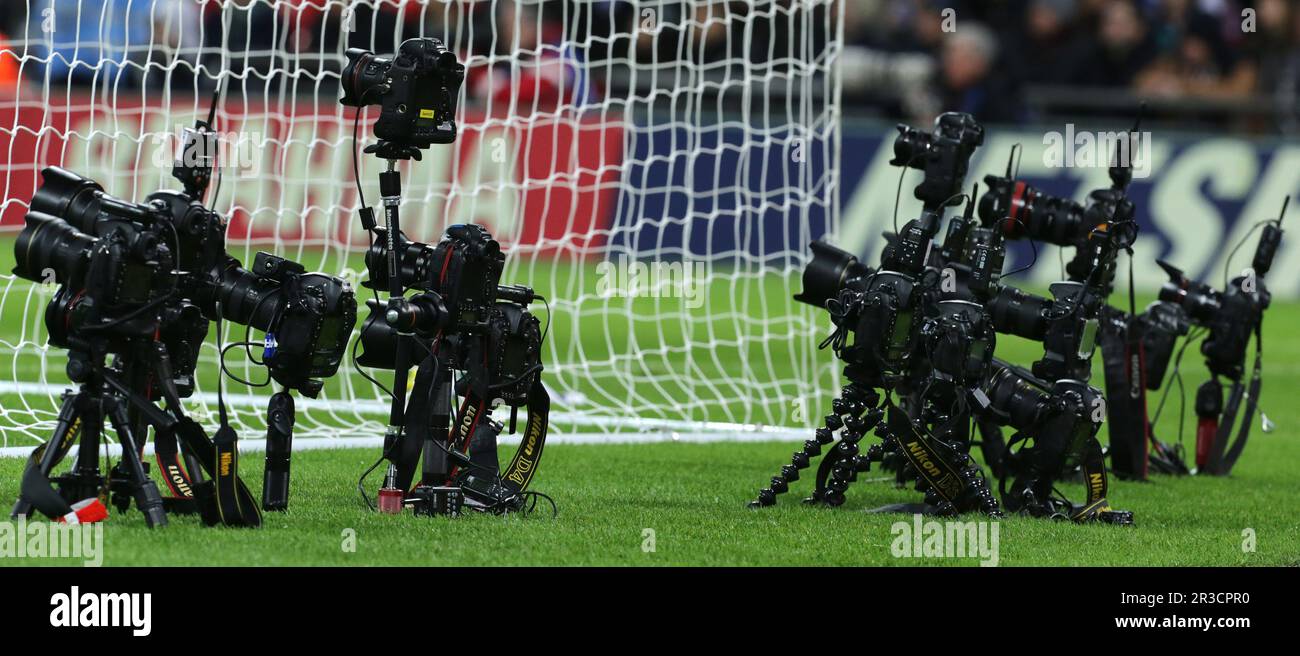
[(80, 421), (433, 374)]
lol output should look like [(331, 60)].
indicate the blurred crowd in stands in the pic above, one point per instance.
[(1231, 62)]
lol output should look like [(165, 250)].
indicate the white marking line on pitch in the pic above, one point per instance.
[(256, 445), (646, 430)]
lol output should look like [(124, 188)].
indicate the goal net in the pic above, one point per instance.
[(655, 169)]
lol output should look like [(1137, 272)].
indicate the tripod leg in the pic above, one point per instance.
[(853, 401), (436, 468), (65, 429), (279, 446), (147, 498)]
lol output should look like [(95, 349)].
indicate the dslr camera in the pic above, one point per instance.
[(416, 91), (128, 269), (460, 295)]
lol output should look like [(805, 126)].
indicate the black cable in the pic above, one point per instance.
[(222, 360), (898, 195), (373, 381), (1192, 336), (1032, 247), (130, 315), (547, 328), (1228, 262)]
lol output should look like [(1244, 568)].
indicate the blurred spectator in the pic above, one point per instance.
[(968, 82), (1121, 47), (907, 59), (1053, 33), (533, 68), (1194, 60)]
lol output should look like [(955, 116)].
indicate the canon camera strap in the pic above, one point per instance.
[(1124, 367), (1218, 463)]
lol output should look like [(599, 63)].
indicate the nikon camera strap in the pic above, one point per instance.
[(523, 466), (1094, 477), (929, 464), (224, 499)]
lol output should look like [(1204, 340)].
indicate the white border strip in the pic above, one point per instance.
[(643, 430), (375, 442)]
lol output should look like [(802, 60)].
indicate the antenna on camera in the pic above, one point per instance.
[(194, 167), (1121, 169)]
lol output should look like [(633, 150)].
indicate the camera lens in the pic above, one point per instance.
[(910, 147), (247, 298), (70, 197), (364, 72), (415, 265), (47, 245), (1019, 313), (1011, 393), (827, 273)]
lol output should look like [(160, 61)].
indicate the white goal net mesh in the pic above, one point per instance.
[(655, 169)]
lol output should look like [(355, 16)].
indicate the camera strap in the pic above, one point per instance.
[(1219, 463), (37, 490), (234, 503), (523, 466), (224, 499), (419, 416), (926, 459), (1124, 366), (167, 454), (1095, 506), (519, 473)]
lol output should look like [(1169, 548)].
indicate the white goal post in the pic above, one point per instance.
[(656, 169)]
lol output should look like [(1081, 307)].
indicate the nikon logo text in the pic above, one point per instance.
[(100, 610), (924, 459)]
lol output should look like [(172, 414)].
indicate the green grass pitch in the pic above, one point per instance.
[(687, 501)]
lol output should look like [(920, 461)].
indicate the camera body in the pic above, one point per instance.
[(461, 297), (462, 270), (130, 271), (959, 342), (1163, 323), (307, 318), (1231, 315), (943, 155), (416, 91), (1066, 324), (1060, 418)]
